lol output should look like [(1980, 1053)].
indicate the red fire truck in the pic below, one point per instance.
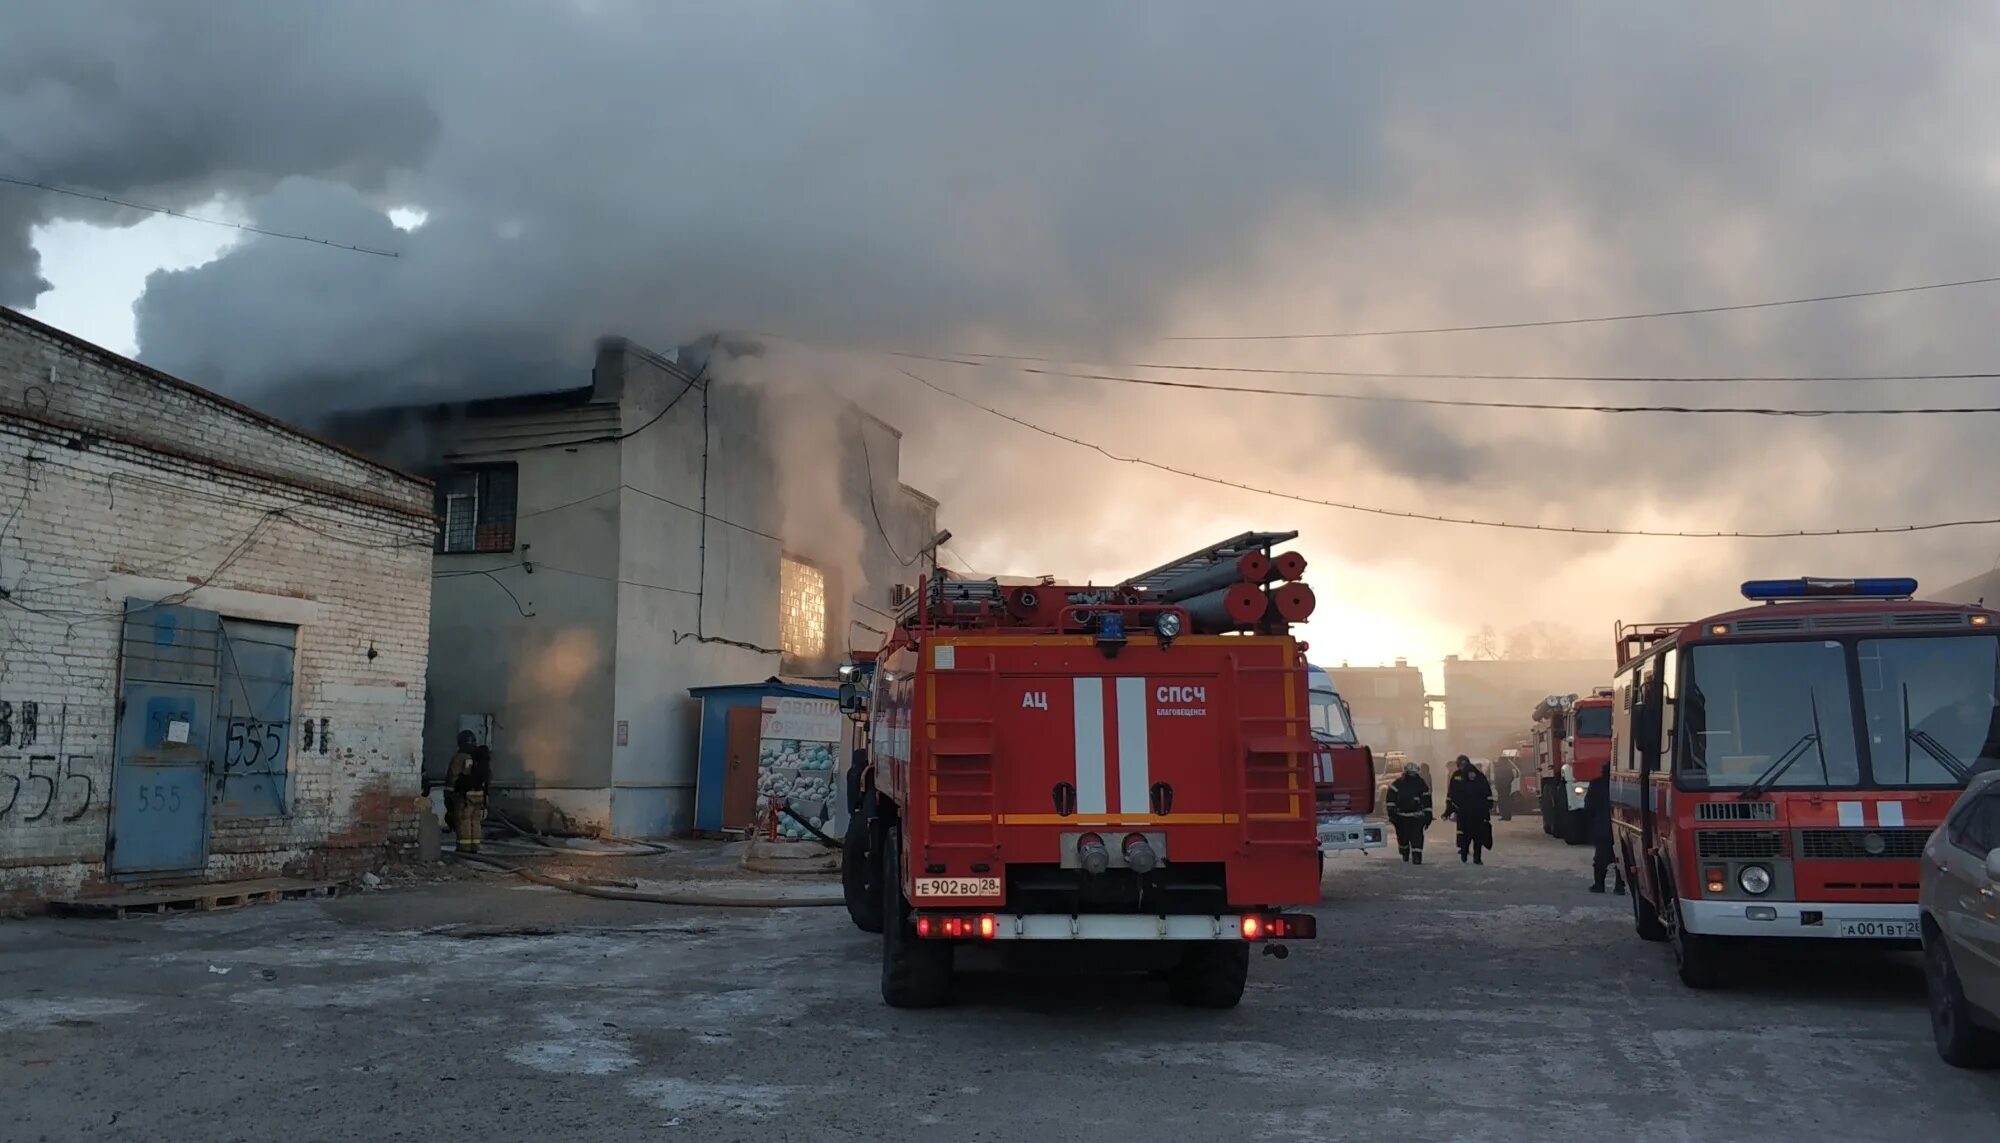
[(1572, 745), (1776, 770), (1129, 764)]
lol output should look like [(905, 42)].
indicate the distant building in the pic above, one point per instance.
[(1391, 709), (1488, 702), (607, 547), (211, 634)]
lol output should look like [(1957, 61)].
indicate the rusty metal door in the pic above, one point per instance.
[(739, 772), (166, 707)]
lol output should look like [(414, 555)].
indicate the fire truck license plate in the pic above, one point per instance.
[(1896, 930), (958, 887)]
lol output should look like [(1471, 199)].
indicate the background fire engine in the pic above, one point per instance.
[(1572, 744)]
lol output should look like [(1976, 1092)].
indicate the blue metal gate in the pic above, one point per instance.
[(166, 705)]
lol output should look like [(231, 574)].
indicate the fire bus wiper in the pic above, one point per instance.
[(1777, 769), (1953, 765), (1940, 754)]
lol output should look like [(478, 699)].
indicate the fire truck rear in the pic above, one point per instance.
[(1129, 764), (1777, 770)]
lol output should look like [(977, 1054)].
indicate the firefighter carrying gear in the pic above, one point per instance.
[(1469, 799), (1409, 804), (467, 779)]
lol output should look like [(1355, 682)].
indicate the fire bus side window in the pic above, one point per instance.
[(1665, 665)]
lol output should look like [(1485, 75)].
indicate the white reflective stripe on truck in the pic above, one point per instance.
[(1089, 746), (1134, 766), (1115, 927)]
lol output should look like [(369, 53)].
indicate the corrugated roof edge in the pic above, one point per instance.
[(119, 360)]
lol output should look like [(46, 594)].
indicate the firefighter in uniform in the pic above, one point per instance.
[(470, 775), (1468, 798), (1597, 808), (1410, 813), (460, 759)]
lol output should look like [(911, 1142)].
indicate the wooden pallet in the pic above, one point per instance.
[(195, 898)]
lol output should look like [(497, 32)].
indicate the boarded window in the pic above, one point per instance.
[(801, 611), (252, 743), (476, 509)]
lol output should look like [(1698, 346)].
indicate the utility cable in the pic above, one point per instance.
[(1639, 316), (1536, 406), (249, 228), (1438, 519), (987, 359)]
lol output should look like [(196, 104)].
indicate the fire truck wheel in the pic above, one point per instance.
[(1576, 827), (915, 973), (1645, 918), (1211, 974), (857, 873), (1697, 959), (1960, 1042)]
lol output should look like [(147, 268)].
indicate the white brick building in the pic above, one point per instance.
[(212, 633), (609, 546)]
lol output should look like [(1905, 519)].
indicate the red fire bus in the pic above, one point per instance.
[(1777, 770)]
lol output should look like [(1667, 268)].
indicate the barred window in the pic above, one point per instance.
[(476, 508), (801, 611)]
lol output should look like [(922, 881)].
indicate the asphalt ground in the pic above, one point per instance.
[(1499, 1002)]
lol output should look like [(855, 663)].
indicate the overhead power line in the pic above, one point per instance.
[(1645, 315), (95, 196), (1465, 403), (989, 359), (1466, 521)]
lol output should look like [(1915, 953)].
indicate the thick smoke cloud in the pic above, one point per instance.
[(1088, 178)]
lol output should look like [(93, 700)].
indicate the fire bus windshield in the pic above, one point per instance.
[(1593, 722), (1783, 715), (1929, 705)]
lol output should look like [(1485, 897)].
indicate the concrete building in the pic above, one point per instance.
[(1487, 702), (1391, 709), (211, 633), (609, 546)]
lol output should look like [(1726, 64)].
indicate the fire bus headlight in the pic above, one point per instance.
[(1755, 879), (1168, 625)]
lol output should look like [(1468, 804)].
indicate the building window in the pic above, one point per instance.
[(476, 508), (801, 611)]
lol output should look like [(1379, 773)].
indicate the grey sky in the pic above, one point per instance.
[(1087, 178)]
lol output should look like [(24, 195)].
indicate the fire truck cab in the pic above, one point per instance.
[(1344, 773), (1777, 770), (1572, 745), (1132, 765)]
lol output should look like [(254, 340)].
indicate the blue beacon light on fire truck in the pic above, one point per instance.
[(1774, 590)]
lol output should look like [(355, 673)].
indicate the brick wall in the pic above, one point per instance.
[(115, 484)]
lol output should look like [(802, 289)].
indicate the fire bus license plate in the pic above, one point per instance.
[(1895, 930), (958, 887)]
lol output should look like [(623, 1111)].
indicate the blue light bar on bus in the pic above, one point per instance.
[(1771, 590)]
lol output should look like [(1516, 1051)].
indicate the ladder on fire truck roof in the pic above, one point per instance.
[(1208, 557)]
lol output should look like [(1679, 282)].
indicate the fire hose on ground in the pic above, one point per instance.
[(696, 900)]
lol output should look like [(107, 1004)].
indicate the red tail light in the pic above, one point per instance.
[(923, 926), (1253, 927), (987, 925)]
